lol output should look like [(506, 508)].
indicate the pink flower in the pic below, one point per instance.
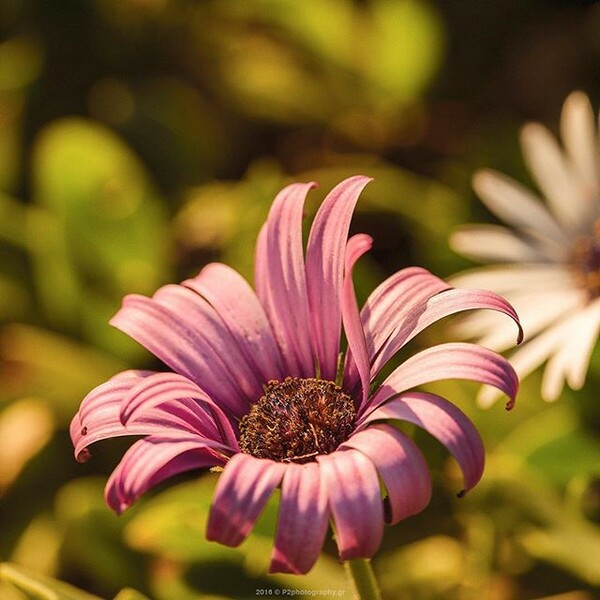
[(258, 387)]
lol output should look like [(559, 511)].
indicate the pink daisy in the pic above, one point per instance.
[(258, 387), (548, 261)]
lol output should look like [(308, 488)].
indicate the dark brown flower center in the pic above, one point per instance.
[(296, 420), (585, 261)]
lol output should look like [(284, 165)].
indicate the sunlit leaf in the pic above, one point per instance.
[(20, 62), (548, 525), (25, 428), (130, 594), (434, 565), (58, 289), (12, 221), (43, 364), (225, 218), (38, 548), (104, 234), (172, 526), (93, 536), (572, 545), (406, 47), (553, 442), (14, 300), (39, 587)]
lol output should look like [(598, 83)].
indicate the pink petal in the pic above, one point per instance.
[(186, 401), (98, 415), (419, 317), (355, 502), (281, 281), (387, 308), (325, 269), (186, 349), (303, 520), (444, 421), (357, 345), (401, 466), (450, 361), (242, 492), (152, 460), (197, 315), (236, 303)]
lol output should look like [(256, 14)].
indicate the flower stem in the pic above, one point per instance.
[(362, 576)]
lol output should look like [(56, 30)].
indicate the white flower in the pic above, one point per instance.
[(549, 259)]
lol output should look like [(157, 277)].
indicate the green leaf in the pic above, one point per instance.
[(431, 567), (227, 216), (130, 594), (53, 367), (40, 587), (20, 63), (572, 545), (561, 458), (406, 48), (14, 300), (172, 526), (12, 221), (552, 441), (93, 536), (101, 233)]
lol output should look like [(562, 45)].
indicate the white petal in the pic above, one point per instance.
[(494, 243), (515, 204), (572, 359), (579, 136), (555, 177), (537, 309), (504, 278), (532, 354), (588, 336)]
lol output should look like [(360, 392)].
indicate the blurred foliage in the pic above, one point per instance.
[(141, 139)]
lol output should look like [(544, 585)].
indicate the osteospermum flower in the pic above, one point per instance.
[(257, 387), (551, 253)]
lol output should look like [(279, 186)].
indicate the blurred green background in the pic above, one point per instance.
[(140, 139)]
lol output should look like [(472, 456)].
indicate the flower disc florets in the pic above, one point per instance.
[(585, 262), (296, 420)]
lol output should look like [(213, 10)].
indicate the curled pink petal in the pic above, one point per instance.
[(449, 361), (444, 421), (401, 466), (176, 389), (235, 301), (357, 345), (281, 281), (98, 415), (303, 520), (387, 308), (445, 303), (186, 350), (325, 269), (196, 314), (242, 492), (154, 459), (355, 502)]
